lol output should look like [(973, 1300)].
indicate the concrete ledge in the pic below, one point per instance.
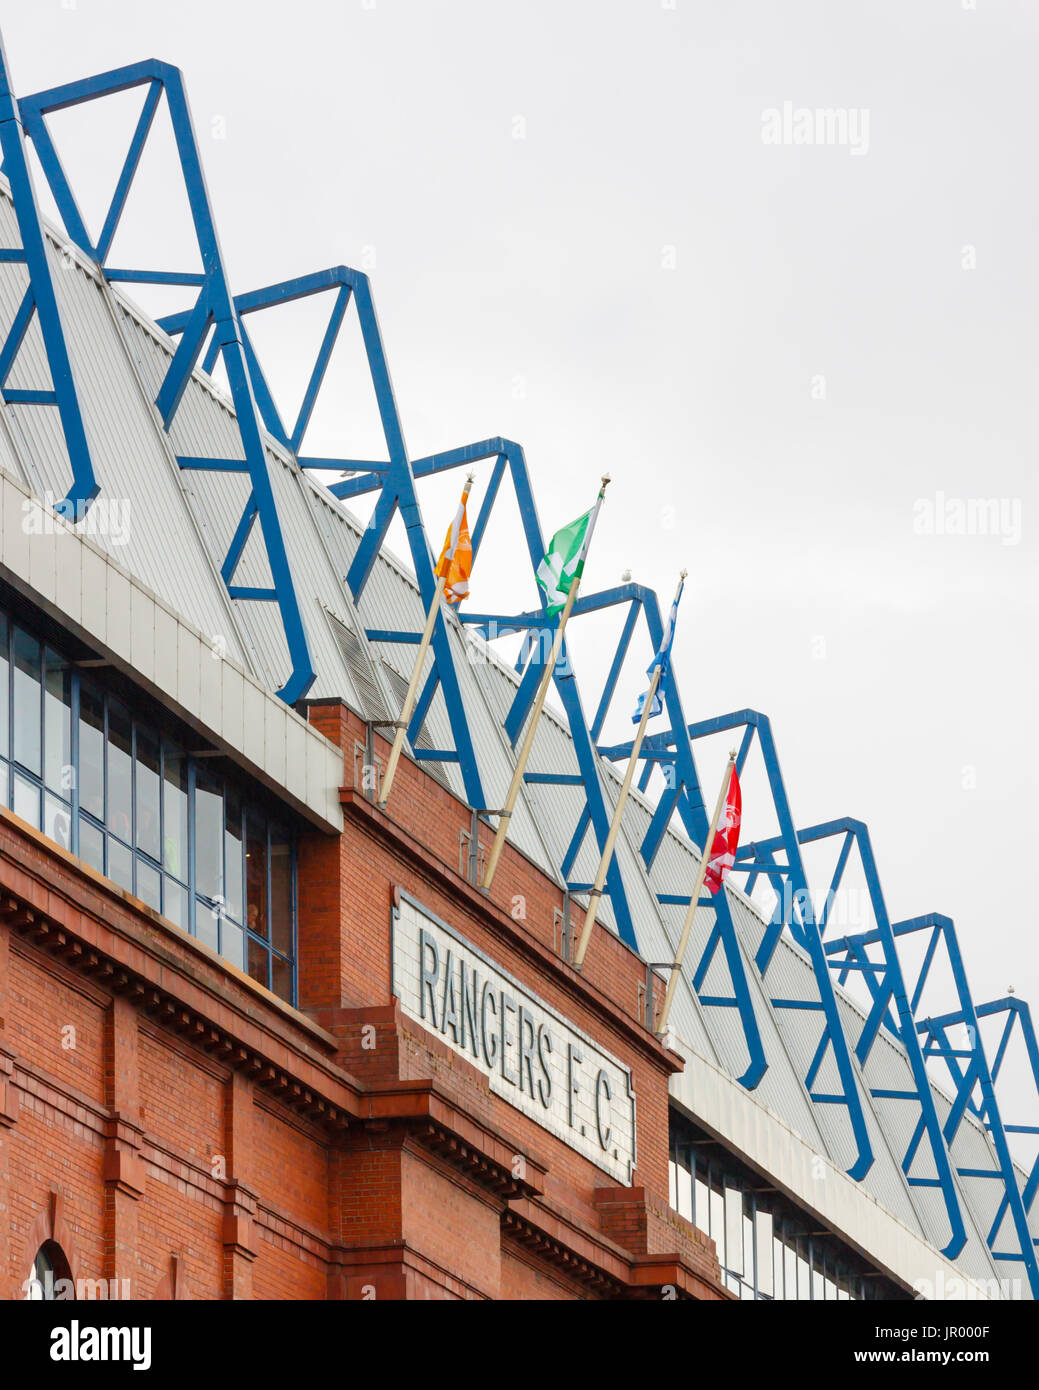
[(717, 1102), (74, 582)]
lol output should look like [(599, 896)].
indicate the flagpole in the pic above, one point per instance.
[(505, 815), (416, 671), (687, 925), (607, 854)]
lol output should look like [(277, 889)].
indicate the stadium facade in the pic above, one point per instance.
[(262, 1038)]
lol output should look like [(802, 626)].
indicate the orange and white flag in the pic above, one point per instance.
[(456, 559)]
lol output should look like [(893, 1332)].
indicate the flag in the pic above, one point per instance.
[(661, 659), (658, 704), (456, 559), (726, 837), (564, 562)]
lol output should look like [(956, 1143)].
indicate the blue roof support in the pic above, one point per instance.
[(395, 477), (506, 456), (969, 1069), (214, 310), (794, 911), (40, 298), (891, 1007), (682, 791)]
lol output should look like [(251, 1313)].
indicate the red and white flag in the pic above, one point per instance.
[(726, 837)]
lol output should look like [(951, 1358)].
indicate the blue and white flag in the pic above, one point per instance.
[(661, 659)]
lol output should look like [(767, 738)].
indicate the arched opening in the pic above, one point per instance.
[(51, 1276)]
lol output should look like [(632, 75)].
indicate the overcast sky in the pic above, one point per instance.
[(595, 226)]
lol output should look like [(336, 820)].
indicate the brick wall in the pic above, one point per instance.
[(184, 1133)]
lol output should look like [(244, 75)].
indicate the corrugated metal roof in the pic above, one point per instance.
[(181, 526)]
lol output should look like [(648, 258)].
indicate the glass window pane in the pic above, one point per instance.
[(672, 1186), (718, 1225), (281, 892), (4, 775), (28, 695), (258, 959), (232, 943), (149, 887), (57, 821), (57, 719), (120, 864), (147, 791), (91, 845), (256, 874), (685, 1184), (175, 815), (804, 1290), (91, 753), (234, 854), (5, 691), (209, 833), (701, 1205), (207, 925), (281, 982), (26, 800), (120, 796), (763, 1241), (734, 1229), (175, 903)]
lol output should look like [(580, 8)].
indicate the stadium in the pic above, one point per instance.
[(267, 1031)]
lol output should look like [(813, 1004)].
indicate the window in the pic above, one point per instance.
[(767, 1248), (50, 1277), (130, 801)]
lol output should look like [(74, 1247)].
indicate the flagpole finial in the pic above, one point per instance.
[(605, 479), (470, 477), (682, 573), (733, 755)]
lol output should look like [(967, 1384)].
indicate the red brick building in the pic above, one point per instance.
[(260, 1038), (170, 1123)]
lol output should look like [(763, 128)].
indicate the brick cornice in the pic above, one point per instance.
[(608, 1269), (432, 1118), (129, 962), (336, 1101)]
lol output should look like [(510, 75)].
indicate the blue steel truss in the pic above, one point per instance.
[(214, 310), (873, 955), (506, 457), (396, 476), (218, 319), (40, 300)]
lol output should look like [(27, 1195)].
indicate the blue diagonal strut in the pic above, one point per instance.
[(214, 311), (41, 298)]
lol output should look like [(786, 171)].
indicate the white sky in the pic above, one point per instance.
[(524, 288)]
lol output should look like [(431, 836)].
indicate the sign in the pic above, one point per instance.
[(532, 1057)]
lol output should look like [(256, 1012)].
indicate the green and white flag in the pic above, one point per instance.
[(565, 558)]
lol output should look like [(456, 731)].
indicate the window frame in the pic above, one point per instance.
[(169, 744)]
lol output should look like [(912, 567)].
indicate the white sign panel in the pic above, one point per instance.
[(532, 1057)]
